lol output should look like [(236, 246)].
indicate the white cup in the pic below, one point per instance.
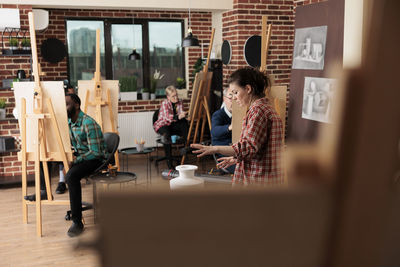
[(139, 147)]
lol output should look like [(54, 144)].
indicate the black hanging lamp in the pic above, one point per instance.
[(134, 55), (190, 40)]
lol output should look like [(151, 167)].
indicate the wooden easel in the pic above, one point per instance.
[(40, 153), (98, 102), (237, 112), (201, 109)]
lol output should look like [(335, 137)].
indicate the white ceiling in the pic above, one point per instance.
[(200, 5)]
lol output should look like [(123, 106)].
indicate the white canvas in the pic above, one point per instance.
[(54, 91)]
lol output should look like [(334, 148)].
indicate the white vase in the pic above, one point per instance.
[(186, 178), (145, 96), (152, 96), (128, 96)]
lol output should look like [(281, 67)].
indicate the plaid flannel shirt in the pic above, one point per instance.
[(87, 138), (258, 151), (166, 114)]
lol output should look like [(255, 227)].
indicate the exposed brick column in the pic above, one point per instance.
[(245, 20)]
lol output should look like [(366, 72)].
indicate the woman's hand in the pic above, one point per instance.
[(225, 162), (203, 150), (182, 115)]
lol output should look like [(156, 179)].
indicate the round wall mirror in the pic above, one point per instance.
[(252, 51), (226, 52), (53, 50)]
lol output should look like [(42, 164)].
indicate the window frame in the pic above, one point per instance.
[(107, 22)]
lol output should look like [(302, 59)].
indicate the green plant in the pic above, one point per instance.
[(14, 41), (2, 103), (153, 86), (198, 66), (26, 42), (128, 84), (145, 90), (180, 83)]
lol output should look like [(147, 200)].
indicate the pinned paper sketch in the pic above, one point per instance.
[(318, 96), (309, 48)]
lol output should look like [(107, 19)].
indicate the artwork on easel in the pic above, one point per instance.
[(318, 96), (54, 91), (113, 87), (309, 48)]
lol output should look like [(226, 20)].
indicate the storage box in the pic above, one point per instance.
[(7, 143)]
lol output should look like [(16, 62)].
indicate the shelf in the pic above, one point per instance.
[(16, 52)]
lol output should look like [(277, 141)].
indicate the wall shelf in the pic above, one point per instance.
[(16, 52)]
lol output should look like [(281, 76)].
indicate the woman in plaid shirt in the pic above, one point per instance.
[(257, 154), (171, 121)]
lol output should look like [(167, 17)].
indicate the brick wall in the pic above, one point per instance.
[(245, 19), (239, 23)]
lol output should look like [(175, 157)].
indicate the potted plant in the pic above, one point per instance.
[(2, 109), (197, 67), (180, 83), (145, 94), (128, 88), (26, 44), (14, 43), (180, 88), (154, 82)]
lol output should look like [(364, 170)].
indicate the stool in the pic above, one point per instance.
[(105, 179)]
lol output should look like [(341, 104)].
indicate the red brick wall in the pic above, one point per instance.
[(239, 23), (9, 65), (245, 20)]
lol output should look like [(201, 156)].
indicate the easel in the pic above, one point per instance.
[(40, 153), (237, 112), (201, 109), (98, 102)]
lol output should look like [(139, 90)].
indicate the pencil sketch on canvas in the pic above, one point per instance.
[(309, 48), (318, 96)]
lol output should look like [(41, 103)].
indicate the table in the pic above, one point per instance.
[(106, 179), (133, 151)]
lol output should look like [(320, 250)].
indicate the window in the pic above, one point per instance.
[(166, 56), (157, 41), (81, 37), (124, 39)]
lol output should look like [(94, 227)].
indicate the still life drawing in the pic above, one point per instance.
[(318, 98), (309, 48)]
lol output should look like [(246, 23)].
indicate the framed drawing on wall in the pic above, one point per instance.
[(309, 48), (318, 97)]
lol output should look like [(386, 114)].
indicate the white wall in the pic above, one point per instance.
[(217, 25), (353, 33)]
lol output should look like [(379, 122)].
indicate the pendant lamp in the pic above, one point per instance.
[(190, 40), (134, 55)]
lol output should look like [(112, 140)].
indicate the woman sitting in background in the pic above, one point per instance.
[(171, 121)]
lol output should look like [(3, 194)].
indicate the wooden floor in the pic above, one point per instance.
[(19, 244)]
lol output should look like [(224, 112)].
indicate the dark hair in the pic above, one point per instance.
[(75, 98), (257, 80)]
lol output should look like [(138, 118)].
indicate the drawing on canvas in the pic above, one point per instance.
[(318, 98), (309, 48)]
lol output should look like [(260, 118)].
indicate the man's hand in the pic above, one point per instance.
[(230, 127)]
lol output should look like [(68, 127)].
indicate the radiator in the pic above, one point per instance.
[(136, 125)]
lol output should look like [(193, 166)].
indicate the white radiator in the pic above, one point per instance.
[(136, 125)]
